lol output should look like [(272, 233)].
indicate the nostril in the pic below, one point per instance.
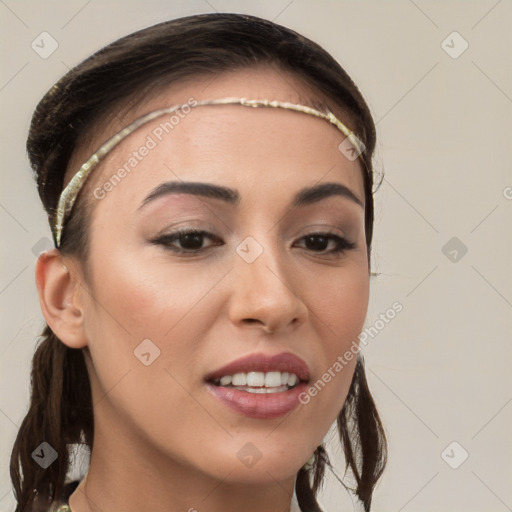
[(251, 320)]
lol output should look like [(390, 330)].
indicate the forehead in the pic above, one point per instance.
[(230, 143)]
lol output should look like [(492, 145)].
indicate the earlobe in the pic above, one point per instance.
[(58, 287)]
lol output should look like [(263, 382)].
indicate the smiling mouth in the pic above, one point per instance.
[(260, 386), (259, 382)]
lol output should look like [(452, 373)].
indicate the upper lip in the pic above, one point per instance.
[(284, 362)]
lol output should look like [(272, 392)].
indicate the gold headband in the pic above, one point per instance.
[(69, 194)]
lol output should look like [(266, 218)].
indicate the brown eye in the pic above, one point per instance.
[(187, 240), (319, 243)]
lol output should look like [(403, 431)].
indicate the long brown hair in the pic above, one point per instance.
[(61, 411)]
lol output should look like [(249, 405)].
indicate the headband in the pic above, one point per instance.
[(69, 194)]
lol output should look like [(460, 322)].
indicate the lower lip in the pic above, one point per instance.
[(258, 405)]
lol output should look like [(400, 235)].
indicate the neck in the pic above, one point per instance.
[(124, 474)]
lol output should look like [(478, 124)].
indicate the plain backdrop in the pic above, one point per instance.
[(437, 76)]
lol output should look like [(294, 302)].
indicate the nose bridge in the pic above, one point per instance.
[(265, 287)]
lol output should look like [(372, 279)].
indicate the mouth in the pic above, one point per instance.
[(260, 386), (259, 382)]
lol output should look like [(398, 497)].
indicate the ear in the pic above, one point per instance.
[(59, 286)]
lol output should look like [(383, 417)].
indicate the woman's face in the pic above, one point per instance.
[(280, 283)]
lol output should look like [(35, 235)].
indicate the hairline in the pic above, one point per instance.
[(131, 103)]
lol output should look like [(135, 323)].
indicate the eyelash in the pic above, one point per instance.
[(342, 246)]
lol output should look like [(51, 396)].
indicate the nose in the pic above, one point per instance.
[(265, 294)]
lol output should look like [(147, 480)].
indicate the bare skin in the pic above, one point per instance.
[(162, 441)]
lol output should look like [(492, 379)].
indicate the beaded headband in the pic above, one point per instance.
[(69, 194)]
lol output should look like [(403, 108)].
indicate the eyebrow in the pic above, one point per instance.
[(304, 197)]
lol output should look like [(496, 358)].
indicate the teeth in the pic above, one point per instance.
[(259, 382), (292, 380), (239, 379), (279, 389), (272, 379), (224, 381), (256, 379)]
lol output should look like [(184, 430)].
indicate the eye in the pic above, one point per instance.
[(189, 240), (319, 243)]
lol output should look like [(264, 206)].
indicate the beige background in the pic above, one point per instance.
[(440, 370)]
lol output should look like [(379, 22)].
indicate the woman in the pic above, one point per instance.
[(211, 271)]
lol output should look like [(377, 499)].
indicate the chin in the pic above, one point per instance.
[(264, 465)]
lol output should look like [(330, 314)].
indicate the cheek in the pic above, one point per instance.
[(340, 308), (151, 296), (172, 305), (136, 300), (341, 304)]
